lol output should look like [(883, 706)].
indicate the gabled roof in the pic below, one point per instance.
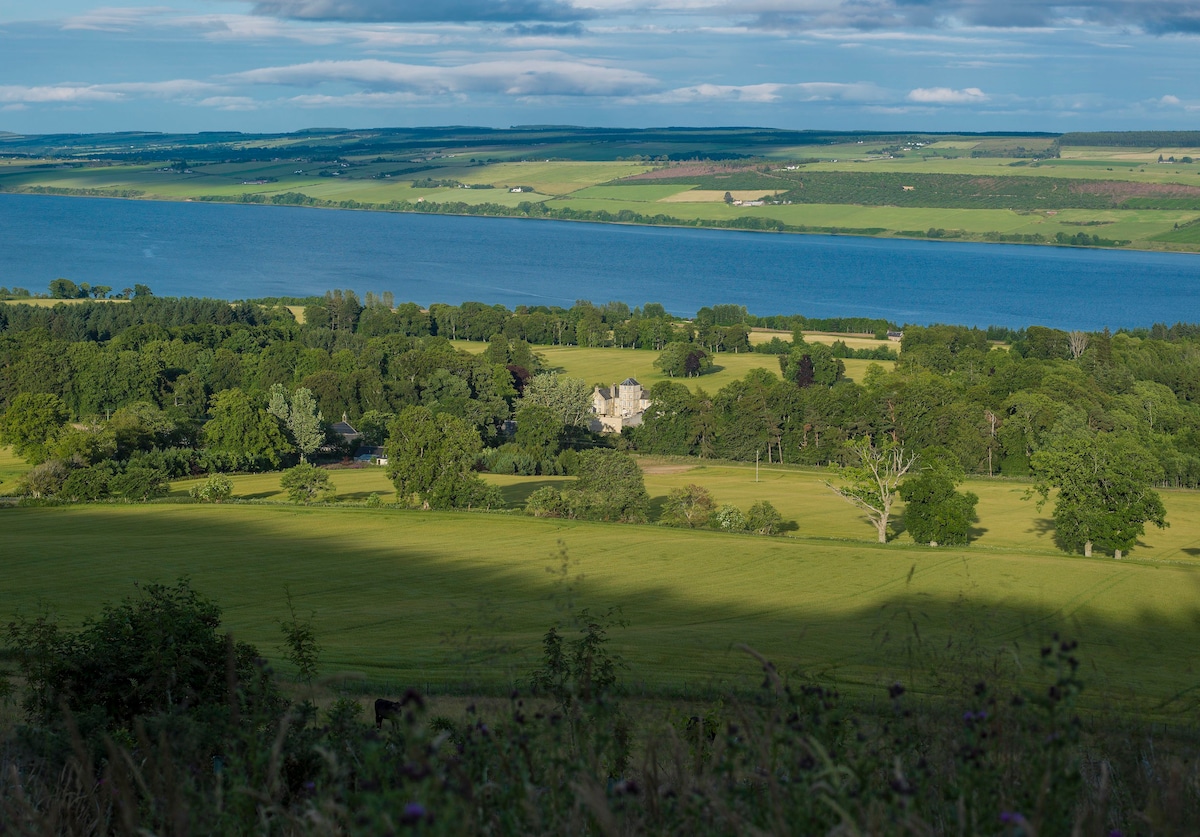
[(343, 428)]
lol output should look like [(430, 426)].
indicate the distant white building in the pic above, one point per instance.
[(618, 406)]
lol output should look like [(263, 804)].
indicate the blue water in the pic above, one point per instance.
[(237, 252)]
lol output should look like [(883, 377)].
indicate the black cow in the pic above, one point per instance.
[(386, 709), (391, 709)]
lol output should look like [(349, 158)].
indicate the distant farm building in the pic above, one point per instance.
[(371, 455), (618, 406)]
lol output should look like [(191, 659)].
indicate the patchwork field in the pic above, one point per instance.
[(435, 599), (1125, 194)]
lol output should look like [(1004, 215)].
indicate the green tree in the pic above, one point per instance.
[(811, 363), (307, 483), (64, 289), (88, 484), (139, 482), (934, 511), (764, 519), (1104, 497), (873, 478), (46, 479), (538, 431), (683, 360), (612, 487), (569, 399), (431, 461), (300, 415), (241, 434), (140, 426), (690, 507), (30, 423)]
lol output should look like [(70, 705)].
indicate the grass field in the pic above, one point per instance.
[(439, 598), (12, 468), (607, 366)]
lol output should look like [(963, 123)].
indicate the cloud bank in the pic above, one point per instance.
[(515, 77), (421, 11)]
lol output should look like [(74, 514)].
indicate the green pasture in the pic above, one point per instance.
[(420, 598), (12, 468), (1007, 521), (609, 365)]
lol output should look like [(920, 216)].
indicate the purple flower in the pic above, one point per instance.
[(414, 812), (1011, 818)]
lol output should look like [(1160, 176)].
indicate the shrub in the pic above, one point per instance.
[(138, 482), (46, 479), (764, 519), (87, 484), (690, 507), (307, 483), (729, 518), (216, 488)]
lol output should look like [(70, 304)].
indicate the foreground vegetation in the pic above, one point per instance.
[(190, 749), (1071, 190)]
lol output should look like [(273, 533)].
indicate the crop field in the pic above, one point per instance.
[(420, 598)]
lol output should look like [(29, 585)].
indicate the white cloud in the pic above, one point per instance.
[(947, 96), (514, 77), (57, 94), (1172, 101), (115, 18), (238, 103), (71, 93), (768, 92)]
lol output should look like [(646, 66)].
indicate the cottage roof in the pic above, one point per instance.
[(343, 429)]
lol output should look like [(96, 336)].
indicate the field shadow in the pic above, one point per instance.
[(1042, 526), (518, 493), (426, 611)]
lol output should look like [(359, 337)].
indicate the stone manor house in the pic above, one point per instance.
[(618, 406)]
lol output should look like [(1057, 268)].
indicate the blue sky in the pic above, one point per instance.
[(283, 65)]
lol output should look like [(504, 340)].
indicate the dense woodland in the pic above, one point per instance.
[(154, 379)]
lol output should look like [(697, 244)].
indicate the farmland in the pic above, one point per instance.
[(1033, 189), (440, 599)]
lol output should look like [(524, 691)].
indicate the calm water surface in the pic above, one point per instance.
[(234, 251)]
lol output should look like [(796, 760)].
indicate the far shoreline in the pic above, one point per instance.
[(838, 232)]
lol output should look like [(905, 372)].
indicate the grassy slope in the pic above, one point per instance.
[(412, 597)]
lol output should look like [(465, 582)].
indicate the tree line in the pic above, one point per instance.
[(128, 396)]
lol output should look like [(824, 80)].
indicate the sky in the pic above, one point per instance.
[(286, 65)]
